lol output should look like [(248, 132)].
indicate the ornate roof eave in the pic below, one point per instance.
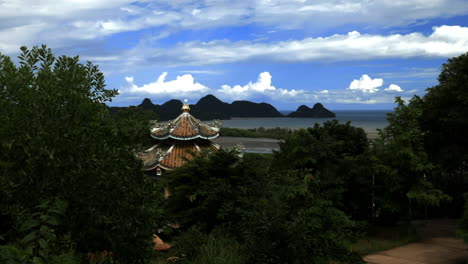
[(157, 165), (185, 127), (187, 138)]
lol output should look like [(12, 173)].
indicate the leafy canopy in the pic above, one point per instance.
[(58, 142)]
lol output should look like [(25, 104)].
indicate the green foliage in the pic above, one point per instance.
[(42, 241), (444, 126), (277, 216), (215, 247), (424, 193), (463, 226), (400, 161), (444, 121), (219, 249), (132, 125), (292, 223), (57, 141), (203, 190), (338, 153), (277, 132), (319, 146)]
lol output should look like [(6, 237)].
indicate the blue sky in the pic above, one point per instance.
[(346, 54)]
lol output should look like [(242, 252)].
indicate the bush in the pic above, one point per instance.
[(216, 248)]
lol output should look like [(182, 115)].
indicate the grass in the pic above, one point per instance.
[(380, 238)]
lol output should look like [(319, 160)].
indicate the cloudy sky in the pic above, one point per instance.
[(346, 54)]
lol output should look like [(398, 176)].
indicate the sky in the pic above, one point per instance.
[(345, 54)]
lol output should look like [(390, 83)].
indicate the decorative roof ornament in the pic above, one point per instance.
[(185, 106)]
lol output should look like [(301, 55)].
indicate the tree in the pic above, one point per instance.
[(338, 153), (277, 216), (132, 125), (444, 121), (402, 163), (57, 141), (444, 125), (291, 222)]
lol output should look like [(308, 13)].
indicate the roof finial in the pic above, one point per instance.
[(185, 106)]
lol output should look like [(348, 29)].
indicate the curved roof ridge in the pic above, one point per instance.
[(184, 127)]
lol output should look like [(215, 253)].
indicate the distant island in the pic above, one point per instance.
[(317, 111), (210, 107)]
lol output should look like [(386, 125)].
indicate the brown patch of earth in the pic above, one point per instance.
[(438, 245)]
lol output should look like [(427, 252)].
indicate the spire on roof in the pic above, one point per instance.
[(185, 106)]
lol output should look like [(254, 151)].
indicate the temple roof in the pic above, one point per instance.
[(170, 155), (185, 127)]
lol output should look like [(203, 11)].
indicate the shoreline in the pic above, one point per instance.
[(261, 145)]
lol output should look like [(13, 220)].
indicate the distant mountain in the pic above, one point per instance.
[(250, 109), (210, 107), (317, 111)]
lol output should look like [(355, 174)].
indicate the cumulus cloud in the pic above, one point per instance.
[(394, 88), (366, 84), (262, 84), (262, 89), (184, 85)]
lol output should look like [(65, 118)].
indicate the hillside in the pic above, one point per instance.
[(210, 107), (317, 111)]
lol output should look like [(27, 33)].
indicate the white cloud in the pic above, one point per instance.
[(262, 90), (394, 88), (413, 72), (366, 84), (69, 20), (444, 42), (182, 86), (262, 84), (210, 72), (366, 87)]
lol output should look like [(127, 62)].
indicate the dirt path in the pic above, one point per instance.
[(438, 245)]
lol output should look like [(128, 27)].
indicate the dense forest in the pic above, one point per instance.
[(72, 190)]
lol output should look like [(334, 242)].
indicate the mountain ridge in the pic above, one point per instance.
[(210, 107), (317, 111)]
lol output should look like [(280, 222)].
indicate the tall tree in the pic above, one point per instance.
[(402, 163), (444, 125), (338, 153), (57, 141), (444, 121)]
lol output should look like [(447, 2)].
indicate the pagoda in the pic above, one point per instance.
[(179, 140)]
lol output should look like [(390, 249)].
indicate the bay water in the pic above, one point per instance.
[(369, 120)]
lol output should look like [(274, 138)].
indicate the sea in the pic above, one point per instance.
[(369, 120)]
